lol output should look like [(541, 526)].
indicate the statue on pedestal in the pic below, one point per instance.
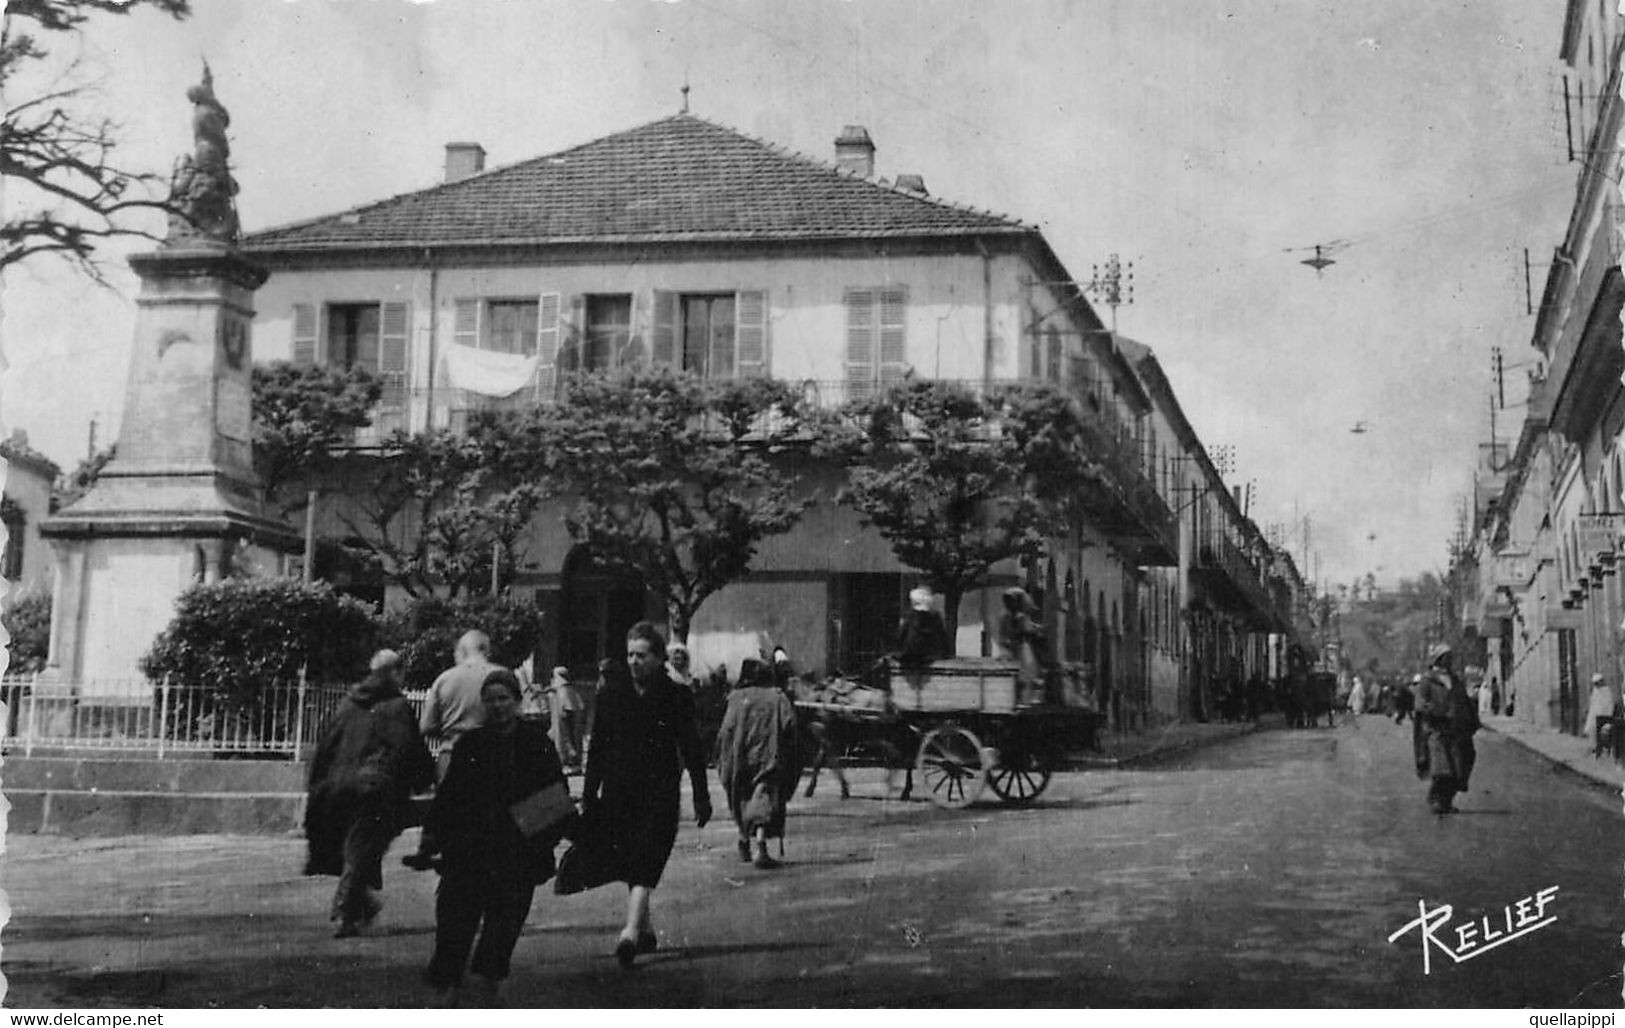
[(202, 191)]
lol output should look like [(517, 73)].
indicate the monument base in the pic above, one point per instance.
[(121, 568)]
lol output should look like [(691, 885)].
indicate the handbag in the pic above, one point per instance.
[(588, 861), (547, 808)]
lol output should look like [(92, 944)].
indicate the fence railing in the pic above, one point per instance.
[(165, 719)]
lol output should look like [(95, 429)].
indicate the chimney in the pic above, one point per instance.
[(855, 151), (912, 184), (463, 160)]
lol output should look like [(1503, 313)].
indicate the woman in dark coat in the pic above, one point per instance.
[(369, 762), (488, 870), (643, 737), (757, 761)]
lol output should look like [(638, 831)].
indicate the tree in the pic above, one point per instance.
[(237, 636), (302, 414), (67, 491), (958, 481), (70, 193), (438, 506), (672, 476), (425, 633), (28, 630)]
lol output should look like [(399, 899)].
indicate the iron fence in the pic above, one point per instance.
[(165, 719)]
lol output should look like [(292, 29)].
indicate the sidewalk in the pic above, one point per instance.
[(1130, 749), (1568, 751)]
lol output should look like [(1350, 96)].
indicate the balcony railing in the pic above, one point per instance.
[(1127, 497)]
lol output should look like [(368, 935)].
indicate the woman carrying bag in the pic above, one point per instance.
[(496, 817)]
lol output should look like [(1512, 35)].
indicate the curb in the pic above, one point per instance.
[(1578, 769)]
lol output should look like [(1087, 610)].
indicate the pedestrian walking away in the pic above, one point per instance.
[(1448, 718), (369, 761), (757, 761), (644, 736), (452, 707), (565, 701), (489, 869)]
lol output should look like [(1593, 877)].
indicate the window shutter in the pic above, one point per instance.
[(751, 339), (466, 328), (893, 305), (305, 338), (860, 342), (663, 344), (395, 323), (547, 346)]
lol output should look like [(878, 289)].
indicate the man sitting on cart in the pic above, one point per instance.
[(922, 637)]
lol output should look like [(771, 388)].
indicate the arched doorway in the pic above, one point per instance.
[(598, 606)]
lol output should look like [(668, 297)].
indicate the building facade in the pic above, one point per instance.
[(686, 243), (30, 478), (1545, 595)]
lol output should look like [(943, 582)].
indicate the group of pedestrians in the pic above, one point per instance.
[(374, 756)]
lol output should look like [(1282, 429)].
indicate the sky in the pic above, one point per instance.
[(1206, 142)]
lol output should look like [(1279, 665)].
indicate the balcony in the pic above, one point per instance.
[(1234, 581), (1122, 502)]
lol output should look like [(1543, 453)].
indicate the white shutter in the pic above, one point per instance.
[(893, 307), (395, 326), (306, 341), (750, 311), (466, 327), (663, 337), (547, 346), (860, 343)]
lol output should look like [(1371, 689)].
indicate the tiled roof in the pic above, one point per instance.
[(681, 178)]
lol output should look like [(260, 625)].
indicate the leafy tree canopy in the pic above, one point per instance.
[(437, 507), (302, 413), (958, 480), (239, 635), (671, 475)]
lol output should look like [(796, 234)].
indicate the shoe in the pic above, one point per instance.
[(374, 907), (482, 992), (347, 930), (744, 851), (763, 862), (445, 998), (626, 951), (648, 942)]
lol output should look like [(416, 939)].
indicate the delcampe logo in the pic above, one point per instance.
[(1475, 938)]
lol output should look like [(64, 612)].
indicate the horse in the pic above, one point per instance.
[(831, 734)]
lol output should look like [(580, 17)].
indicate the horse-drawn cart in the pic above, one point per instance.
[(967, 724)]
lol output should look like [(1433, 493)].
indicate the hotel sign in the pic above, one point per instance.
[(1513, 570), (1598, 535)]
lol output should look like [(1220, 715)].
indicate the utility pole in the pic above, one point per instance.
[(1500, 380), (1528, 286), (1113, 284)]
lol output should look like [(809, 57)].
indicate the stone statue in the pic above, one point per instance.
[(202, 191)]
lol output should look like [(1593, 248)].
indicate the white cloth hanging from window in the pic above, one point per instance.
[(488, 372)]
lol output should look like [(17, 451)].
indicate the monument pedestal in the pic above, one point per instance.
[(180, 502)]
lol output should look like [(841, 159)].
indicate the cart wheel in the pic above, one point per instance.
[(1019, 777), (951, 767)]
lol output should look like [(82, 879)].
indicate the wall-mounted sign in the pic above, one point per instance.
[(1597, 537)]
